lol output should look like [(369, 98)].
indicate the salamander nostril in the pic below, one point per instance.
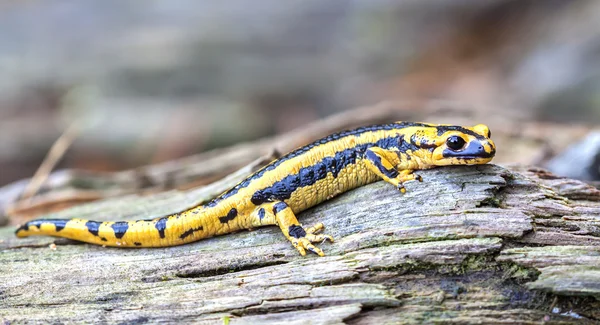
[(481, 148)]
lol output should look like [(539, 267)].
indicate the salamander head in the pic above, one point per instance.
[(456, 145), (443, 145)]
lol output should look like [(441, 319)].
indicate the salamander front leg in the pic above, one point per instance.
[(302, 238), (380, 165)]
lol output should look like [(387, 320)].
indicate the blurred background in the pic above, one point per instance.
[(146, 82)]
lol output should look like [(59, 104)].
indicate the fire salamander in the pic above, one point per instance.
[(303, 178)]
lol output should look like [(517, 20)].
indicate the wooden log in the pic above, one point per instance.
[(469, 245)]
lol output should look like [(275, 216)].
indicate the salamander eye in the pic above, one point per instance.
[(455, 142)]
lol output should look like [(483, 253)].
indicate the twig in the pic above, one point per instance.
[(55, 154)]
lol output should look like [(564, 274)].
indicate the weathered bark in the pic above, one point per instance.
[(480, 244)]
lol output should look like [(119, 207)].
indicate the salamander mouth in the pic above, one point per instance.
[(474, 150), (472, 157)]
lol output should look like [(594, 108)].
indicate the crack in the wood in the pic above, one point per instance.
[(257, 310), (227, 270), (115, 297), (44, 304), (584, 307), (344, 280), (495, 200)]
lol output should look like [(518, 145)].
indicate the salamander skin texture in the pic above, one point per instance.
[(295, 182)]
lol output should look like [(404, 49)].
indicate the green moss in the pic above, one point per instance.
[(492, 202), (475, 263), (517, 272), (471, 263)]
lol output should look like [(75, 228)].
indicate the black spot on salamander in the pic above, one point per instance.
[(339, 162), (120, 228), (93, 227), (307, 176), (259, 197), (388, 143), (161, 225), (103, 239), (281, 189), (230, 216), (415, 140), (190, 231), (261, 213), (350, 155), (60, 224), (330, 165), (320, 171), (296, 231), (421, 143), (404, 145), (137, 244), (24, 227), (279, 206)]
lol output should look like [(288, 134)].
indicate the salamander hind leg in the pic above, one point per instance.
[(302, 238)]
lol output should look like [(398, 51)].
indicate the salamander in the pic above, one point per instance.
[(301, 179)]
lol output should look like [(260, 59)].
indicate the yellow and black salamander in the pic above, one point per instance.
[(297, 181)]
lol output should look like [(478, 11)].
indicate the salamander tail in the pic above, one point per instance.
[(101, 233), (50, 227), (159, 232)]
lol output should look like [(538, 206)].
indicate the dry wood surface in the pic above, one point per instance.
[(480, 244)]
